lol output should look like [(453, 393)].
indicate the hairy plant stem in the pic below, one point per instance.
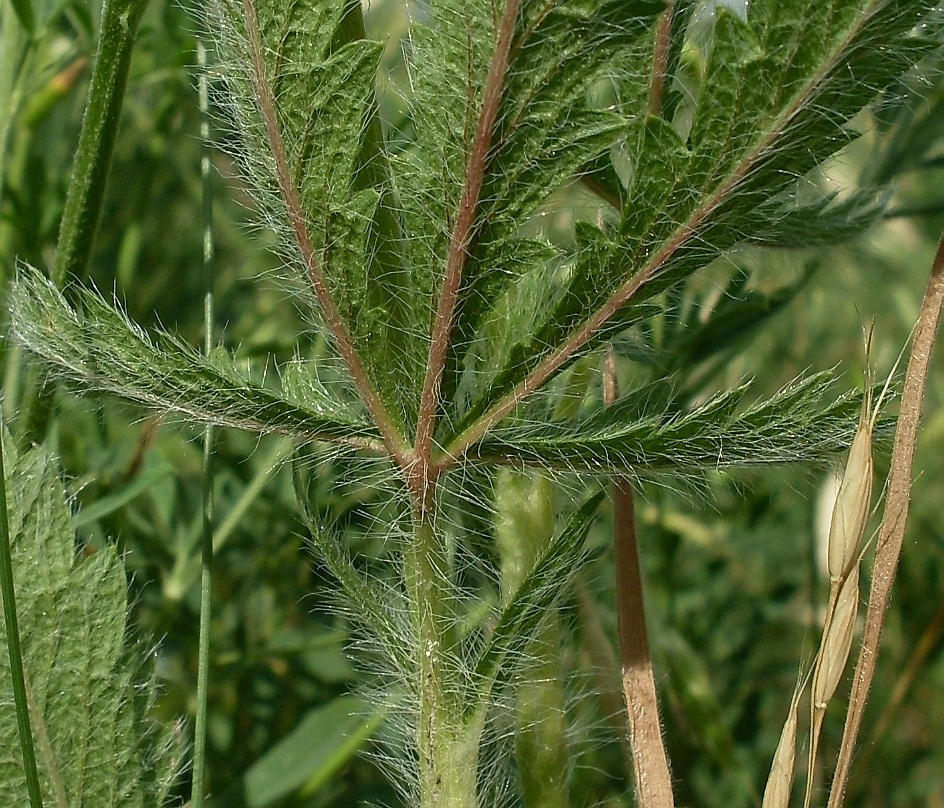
[(447, 744), (650, 763), (892, 531), (17, 673)]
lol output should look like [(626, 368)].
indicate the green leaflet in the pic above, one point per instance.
[(825, 222), (546, 133), (319, 149), (776, 91), (369, 600), (96, 745), (644, 433), (448, 54), (689, 334), (98, 345)]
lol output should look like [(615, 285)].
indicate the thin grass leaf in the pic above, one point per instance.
[(24, 13), (21, 709), (327, 738)]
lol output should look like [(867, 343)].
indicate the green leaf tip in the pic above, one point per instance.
[(24, 13)]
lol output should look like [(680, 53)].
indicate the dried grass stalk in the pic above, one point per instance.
[(650, 762), (892, 532)]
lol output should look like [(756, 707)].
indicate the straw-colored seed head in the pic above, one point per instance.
[(780, 782), (851, 510), (837, 642)]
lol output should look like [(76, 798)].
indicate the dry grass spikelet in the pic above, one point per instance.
[(851, 511), (780, 780), (837, 642), (844, 551)]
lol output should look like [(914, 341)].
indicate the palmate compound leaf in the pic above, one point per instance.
[(644, 433), (95, 344), (89, 692), (778, 89)]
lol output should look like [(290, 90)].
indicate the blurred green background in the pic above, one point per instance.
[(733, 581)]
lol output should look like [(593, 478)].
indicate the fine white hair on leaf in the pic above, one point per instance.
[(458, 296)]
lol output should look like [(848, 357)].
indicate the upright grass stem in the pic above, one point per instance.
[(13, 646), (206, 544)]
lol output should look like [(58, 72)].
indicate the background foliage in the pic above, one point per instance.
[(732, 568)]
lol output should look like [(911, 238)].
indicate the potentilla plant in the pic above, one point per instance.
[(456, 314)]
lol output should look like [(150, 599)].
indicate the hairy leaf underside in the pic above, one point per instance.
[(448, 301)]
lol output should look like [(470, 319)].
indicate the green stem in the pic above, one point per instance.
[(541, 733), (525, 527), (13, 645), (120, 20), (447, 745), (206, 546), (203, 643), (14, 48)]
